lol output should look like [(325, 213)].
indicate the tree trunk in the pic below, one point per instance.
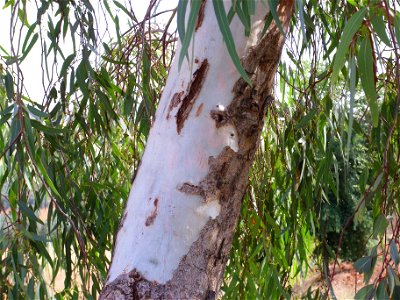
[(176, 232)]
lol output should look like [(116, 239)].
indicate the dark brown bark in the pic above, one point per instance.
[(201, 270)]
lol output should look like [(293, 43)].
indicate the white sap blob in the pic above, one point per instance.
[(210, 209)]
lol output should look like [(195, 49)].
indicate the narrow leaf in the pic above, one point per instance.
[(181, 13), (223, 24), (380, 29), (27, 211), (273, 4), (194, 12), (352, 26), (380, 225), (365, 61), (394, 252)]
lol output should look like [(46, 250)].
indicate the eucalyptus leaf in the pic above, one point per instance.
[(350, 29)]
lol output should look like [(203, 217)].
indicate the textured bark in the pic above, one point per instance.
[(200, 271)]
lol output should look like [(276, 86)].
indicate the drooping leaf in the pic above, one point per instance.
[(223, 23), (273, 5), (363, 264), (350, 29), (379, 26), (365, 62), (394, 252), (188, 34), (307, 118), (380, 225), (367, 292)]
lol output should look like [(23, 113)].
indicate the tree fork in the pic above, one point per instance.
[(200, 270)]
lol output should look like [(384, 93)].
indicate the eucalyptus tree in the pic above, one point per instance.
[(176, 232)]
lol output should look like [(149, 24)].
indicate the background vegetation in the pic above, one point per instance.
[(324, 186)]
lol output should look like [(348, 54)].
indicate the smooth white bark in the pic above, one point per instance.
[(161, 221)]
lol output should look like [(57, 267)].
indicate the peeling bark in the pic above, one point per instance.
[(200, 16), (200, 271), (188, 101), (175, 101), (150, 219)]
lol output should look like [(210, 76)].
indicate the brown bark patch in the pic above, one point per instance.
[(191, 189), (220, 117), (199, 109), (150, 219), (193, 92), (200, 16), (176, 99)]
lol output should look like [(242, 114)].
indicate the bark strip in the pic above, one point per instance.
[(191, 96), (200, 16)]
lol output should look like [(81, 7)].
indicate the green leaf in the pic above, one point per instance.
[(223, 24), (365, 61), (273, 4), (352, 26), (37, 112), (67, 64), (394, 252), (27, 37), (381, 292), (9, 83), (105, 102), (363, 264), (300, 7), (194, 12), (4, 119), (28, 132), (380, 29), (392, 278), (45, 174), (26, 210), (307, 118), (367, 292), (374, 256), (352, 102), (47, 129), (31, 235), (380, 225), (181, 13), (127, 12), (7, 110), (31, 44), (377, 182), (397, 28), (15, 129)]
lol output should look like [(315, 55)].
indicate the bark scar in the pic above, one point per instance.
[(192, 189), (150, 219), (193, 92), (176, 99), (200, 16), (199, 109)]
